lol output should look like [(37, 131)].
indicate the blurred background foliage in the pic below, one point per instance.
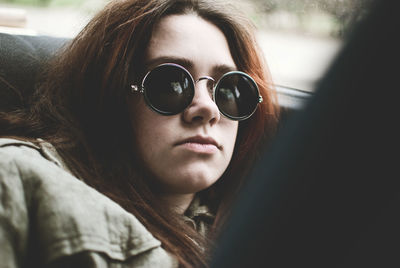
[(45, 3), (330, 17), (321, 17), (298, 37)]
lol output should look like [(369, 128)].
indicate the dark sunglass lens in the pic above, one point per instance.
[(236, 96), (168, 89)]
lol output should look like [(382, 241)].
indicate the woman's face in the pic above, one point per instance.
[(187, 152)]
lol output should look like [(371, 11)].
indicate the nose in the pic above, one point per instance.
[(203, 109)]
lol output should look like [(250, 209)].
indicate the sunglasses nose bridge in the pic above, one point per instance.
[(208, 94), (210, 83), (203, 107), (205, 78)]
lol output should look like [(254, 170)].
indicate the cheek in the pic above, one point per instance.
[(231, 131), (154, 135), (150, 130), (142, 124)]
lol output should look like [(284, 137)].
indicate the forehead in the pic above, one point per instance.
[(189, 37)]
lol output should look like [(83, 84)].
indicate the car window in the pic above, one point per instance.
[(299, 38)]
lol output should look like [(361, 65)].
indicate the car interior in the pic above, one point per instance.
[(325, 193), (21, 59)]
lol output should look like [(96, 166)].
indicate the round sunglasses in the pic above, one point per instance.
[(169, 89)]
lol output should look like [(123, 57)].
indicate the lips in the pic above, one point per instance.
[(200, 140)]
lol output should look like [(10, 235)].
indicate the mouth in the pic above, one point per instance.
[(200, 144)]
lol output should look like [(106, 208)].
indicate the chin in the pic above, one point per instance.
[(193, 184)]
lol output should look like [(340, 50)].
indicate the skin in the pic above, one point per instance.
[(187, 152)]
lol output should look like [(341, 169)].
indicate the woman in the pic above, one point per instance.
[(154, 106)]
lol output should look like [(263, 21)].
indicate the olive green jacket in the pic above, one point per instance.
[(49, 218)]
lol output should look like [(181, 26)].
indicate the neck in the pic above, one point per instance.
[(177, 202)]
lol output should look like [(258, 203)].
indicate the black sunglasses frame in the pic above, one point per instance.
[(142, 89)]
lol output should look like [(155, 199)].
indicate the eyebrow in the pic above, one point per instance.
[(217, 70), (221, 69), (168, 59)]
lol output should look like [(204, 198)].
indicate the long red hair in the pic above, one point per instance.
[(80, 107)]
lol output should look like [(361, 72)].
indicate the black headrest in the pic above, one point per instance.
[(21, 59)]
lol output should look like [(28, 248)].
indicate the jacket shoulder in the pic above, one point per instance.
[(70, 217)]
